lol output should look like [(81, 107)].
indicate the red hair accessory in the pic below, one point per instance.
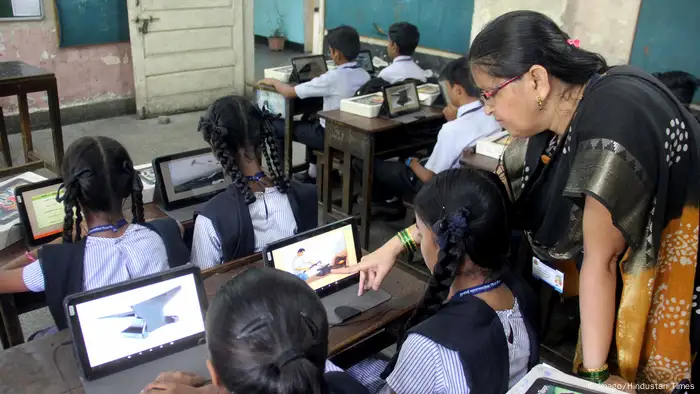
[(576, 43)]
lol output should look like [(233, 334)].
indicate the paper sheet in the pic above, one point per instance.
[(27, 8)]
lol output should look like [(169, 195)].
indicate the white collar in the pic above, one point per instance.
[(402, 59), (347, 65)]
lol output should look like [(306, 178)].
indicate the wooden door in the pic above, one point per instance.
[(188, 53)]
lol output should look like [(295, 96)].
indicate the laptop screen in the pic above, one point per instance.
[(309, 67), (312, 259), (364, 60), (44, 215), (135, 322), (192, 176)]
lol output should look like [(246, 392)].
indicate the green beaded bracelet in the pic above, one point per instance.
[(407, 241)]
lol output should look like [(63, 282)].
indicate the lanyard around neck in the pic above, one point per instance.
[(107, 227), (472, 291), (257, 177), (472, 110)]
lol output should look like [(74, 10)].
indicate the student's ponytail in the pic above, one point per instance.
[(269, 149), (136, 193), (300, 376)]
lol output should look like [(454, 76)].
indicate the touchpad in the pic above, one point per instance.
[(345, 312)]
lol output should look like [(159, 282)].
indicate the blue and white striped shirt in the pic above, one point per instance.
[(272, 218), (138, 252), (425, 367)]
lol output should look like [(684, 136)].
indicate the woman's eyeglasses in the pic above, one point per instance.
[(487, 94)]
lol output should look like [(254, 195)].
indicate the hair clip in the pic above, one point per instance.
[(255, 325), (574, 42)]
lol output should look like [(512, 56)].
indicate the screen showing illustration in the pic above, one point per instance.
[(546, 386), (364, 60), (193, 176), (8, 202), (148, 177), (309, 67), (130, 323), (312, 259), (45, 214), (402, 99)]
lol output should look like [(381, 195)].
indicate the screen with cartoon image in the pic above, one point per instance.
[(546, 386), (312, 259), (45, 214)]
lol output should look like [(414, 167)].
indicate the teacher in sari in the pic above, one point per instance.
[(605, 171)]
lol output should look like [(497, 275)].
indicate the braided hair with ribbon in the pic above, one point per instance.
[(465, 214), (233, 126), (263, 341), (98, 175)]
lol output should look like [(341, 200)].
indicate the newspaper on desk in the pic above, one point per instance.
[(544, 371), (10, 231)]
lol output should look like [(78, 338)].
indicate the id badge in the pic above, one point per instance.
[(548, 274)]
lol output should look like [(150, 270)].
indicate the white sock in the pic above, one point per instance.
[(312, 170), (393, 199)]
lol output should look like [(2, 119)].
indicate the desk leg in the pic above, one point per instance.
[(10, 320), (4, 141), (25, 126), (288, 136), (348, 178), (367, 177), (56, 130), (327, 169)]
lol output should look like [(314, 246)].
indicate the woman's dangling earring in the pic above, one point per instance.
[(540, 103)]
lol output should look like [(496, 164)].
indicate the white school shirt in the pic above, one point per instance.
[(334, 86), (272, 217), (138, 252), (425, 367), (472, 124), (402, 68)]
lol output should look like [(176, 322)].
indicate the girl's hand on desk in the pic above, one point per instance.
[(185, 378)]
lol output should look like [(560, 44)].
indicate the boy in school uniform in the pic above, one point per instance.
[(333, 86), (467, 123), (403, 40)]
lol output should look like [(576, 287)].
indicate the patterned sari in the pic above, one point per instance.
[(633, 147)]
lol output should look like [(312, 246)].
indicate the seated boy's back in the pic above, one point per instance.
[(403, 40)]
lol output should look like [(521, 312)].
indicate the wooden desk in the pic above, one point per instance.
[(481, 162), (48, 365), (13, 305), (18, 78), (356, 136), (292, 107)]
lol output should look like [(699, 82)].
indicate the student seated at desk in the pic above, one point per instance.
[(267, 333), (467, 124), (333, 86), (474, 329), (403, 40), (258, 208), (98, 177)]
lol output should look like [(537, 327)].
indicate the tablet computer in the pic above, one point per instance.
[(401, 99), (117, 327), (548, 386), (364, 60), (188, 178), (311, 256), (306, 68), (40, 214)]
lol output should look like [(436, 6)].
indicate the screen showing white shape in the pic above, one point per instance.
[(131, 323)]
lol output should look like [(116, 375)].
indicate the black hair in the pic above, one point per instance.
[(406, 37), (301, 250), (268, 342), (98, 175), (233, 123), (512, 43), (346, 40), (457, 72), (681, 83), (468, 210)]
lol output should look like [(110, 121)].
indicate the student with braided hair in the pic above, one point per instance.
[(259, 207), (98, 177), (473, 331)]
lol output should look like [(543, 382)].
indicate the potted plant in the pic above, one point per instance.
[(278, 39)]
